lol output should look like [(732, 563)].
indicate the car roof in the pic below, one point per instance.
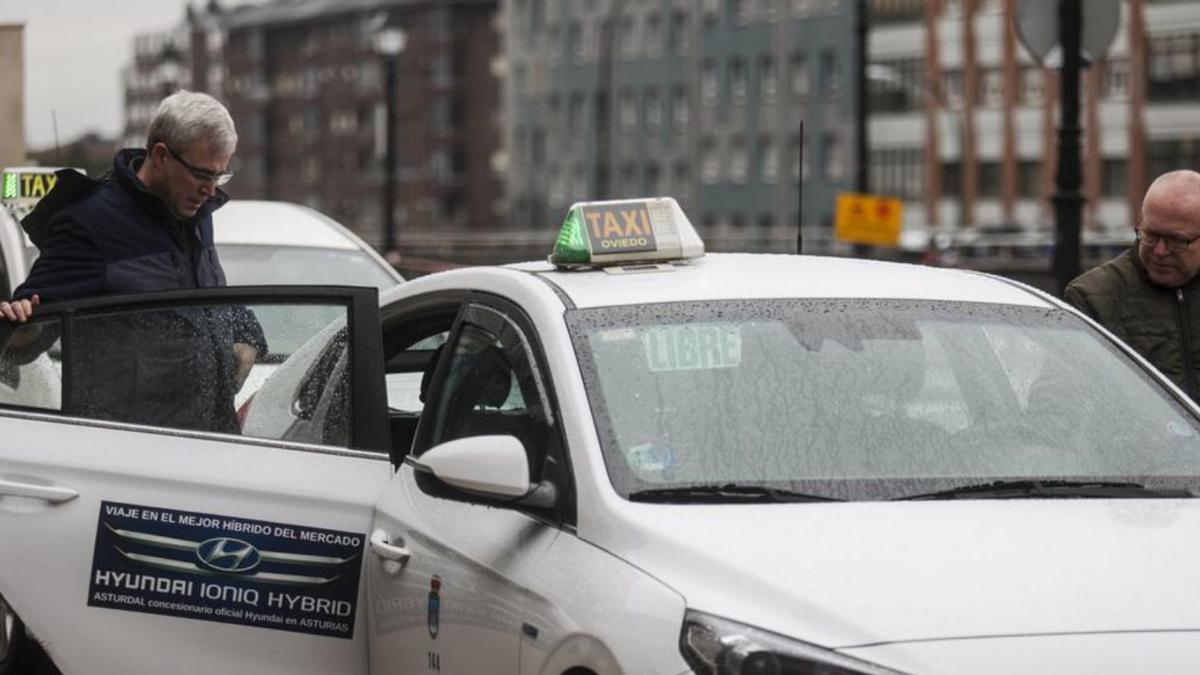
[(732, 276), (270, 223)]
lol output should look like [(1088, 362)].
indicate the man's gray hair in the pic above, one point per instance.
[(188, 116)]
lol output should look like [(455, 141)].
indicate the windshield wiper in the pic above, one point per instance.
[(729, 493), (1053, 489)]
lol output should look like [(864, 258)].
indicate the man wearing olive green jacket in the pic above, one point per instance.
[(1149, 296)]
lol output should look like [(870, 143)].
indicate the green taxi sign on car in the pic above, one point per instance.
[(620, 232)]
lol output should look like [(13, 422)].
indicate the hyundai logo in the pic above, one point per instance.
[(223, 554)]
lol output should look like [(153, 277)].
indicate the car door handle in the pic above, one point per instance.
[(55, 494), (383, 548)]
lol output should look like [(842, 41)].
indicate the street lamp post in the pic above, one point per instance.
[(389, 42)]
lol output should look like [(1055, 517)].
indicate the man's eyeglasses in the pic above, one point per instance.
[(1174, 244), (202, 175)]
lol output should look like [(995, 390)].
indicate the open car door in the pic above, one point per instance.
[(187, 479)]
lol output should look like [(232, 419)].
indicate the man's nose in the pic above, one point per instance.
[(1161, 248), (208, 188)]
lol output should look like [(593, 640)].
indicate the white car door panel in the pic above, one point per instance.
[(456, 606), (112, 611), (142, 547)]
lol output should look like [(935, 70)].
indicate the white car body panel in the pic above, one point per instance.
[(1069, 654), (732, 276), (842, 575)]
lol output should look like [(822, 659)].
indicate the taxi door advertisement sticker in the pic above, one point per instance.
[(221, 568)]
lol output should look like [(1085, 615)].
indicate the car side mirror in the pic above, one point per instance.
[(488, 466)]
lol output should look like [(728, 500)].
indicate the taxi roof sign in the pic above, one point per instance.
[(28, 182), (596, 234), (21, 188)]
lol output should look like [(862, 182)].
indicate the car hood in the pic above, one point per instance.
[(1075, 654), (843, 575)]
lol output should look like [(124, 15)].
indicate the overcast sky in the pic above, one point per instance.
[(74, 52)]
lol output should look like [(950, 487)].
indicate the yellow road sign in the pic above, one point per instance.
[(868, 219)]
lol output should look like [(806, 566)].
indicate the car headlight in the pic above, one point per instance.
[(715, 646)]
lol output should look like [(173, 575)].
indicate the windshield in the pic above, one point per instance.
[(870, 399), (250, 265)]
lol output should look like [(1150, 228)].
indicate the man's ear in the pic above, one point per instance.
[(158, 152)]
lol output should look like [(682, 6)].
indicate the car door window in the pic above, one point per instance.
[(212, 366), (490, 386), (31, 367)]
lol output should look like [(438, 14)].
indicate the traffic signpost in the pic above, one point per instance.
[(868, 219), (1069, 34)]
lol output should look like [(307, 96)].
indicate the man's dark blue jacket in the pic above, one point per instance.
[(114, 236)]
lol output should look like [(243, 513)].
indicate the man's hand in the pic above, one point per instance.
[(19, 310), (243, 358)]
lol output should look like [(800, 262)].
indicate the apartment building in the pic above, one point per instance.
[(702, 101), (963, 123)]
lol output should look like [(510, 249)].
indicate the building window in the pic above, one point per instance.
[(575, 114), (896, 11), (769, 10), (709, 85), (628, 113), (898, 172), (1029, 178), (710, 162), (654, 108), (654, 35), (629, 185), (682, 181), (799, 76), (952, 88), (739, 160), (989, 179), (680, 39), (739, 11), (1116, 80), (575, 41), (738, 81), (896, 85), (627, 36), (1174, 67), (653, 179), (833, 165), (768, 84), (993, 88), (951, 179), (1033, 82), (768, 160), (1114, 182), (554, 46), (554, 112), (1171, 154), (831, 74), (679, 106)]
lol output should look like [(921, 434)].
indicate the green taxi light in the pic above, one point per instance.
[(12, 186), (596, 234)]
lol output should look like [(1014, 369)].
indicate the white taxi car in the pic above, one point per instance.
[(633, 458)]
